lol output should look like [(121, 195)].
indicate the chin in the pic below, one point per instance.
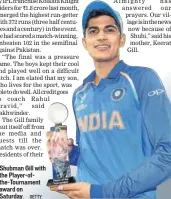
[(102, 59)]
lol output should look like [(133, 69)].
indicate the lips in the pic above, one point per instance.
[(102, 46)]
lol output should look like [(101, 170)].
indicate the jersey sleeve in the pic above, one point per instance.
[(74, 154), (156, 119)]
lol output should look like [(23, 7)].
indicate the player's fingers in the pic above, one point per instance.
[(71, 194), (70, 144), (70, 141), (49, 134), (49, 139), (48, 144), (69, 187), (50, 156)]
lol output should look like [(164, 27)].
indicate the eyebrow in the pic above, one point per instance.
[(111, 26), (107, 26), (92, 27)]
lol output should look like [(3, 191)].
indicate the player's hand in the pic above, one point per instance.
[(70, 143), (73, 190)]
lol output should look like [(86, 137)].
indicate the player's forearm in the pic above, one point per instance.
[(152, 172), (74, 155)]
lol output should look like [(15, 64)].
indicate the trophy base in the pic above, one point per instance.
[(61, 181)]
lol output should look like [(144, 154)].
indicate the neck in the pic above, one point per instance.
[(104, 68)]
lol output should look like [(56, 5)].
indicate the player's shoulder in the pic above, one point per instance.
[(143, 77), (87, 81), (140, 72), (79, 88), (75, 92), (138, 69)]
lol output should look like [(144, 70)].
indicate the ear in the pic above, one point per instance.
[(122, 40), (84, 42)]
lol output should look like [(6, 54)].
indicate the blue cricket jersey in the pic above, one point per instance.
[(123, 133)]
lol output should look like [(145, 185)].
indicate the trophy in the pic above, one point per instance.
[(57, 145)]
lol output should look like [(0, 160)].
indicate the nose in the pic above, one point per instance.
[(101, 36)]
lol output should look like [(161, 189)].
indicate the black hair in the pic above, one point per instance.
[(97, 13)]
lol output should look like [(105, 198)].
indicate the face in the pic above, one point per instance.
[(103, 39)]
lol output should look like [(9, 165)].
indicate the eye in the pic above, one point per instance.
[(111, 29), (92, 31)]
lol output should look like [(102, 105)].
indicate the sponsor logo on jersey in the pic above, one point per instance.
[(118, 94), (83, 98), (81, 107), (97, 121), (156, 92)]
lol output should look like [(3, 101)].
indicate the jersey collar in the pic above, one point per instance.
[(112, 75)]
